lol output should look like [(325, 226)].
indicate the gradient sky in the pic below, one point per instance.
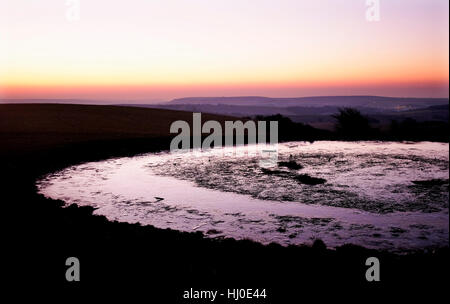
[(162, 49)]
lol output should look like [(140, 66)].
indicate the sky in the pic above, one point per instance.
[(155, 50)]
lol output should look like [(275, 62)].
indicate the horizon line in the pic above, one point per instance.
[(156, 100)]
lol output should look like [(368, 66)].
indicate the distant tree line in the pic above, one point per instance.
[(352, 125)]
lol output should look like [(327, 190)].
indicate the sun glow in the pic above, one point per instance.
[(164, 49)]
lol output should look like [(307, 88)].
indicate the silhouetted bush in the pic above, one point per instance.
[(352, 124)]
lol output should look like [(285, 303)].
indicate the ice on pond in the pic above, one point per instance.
[(384, 195)]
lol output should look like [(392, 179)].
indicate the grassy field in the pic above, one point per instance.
[(40, 235), (30, 127)]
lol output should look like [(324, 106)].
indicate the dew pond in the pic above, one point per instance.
[(383, 195)]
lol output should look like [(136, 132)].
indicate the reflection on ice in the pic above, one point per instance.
[(379, 195)]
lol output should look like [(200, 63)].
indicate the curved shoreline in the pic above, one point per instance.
[(102, 181)]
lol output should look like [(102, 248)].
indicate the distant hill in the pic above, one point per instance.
[(377, 102), (315, 111)]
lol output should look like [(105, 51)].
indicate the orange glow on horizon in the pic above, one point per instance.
[(162, 50), (141, 92)]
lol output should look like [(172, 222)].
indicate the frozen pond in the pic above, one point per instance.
[(381, 195)]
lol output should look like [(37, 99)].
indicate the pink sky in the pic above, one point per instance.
[(164, 49)]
